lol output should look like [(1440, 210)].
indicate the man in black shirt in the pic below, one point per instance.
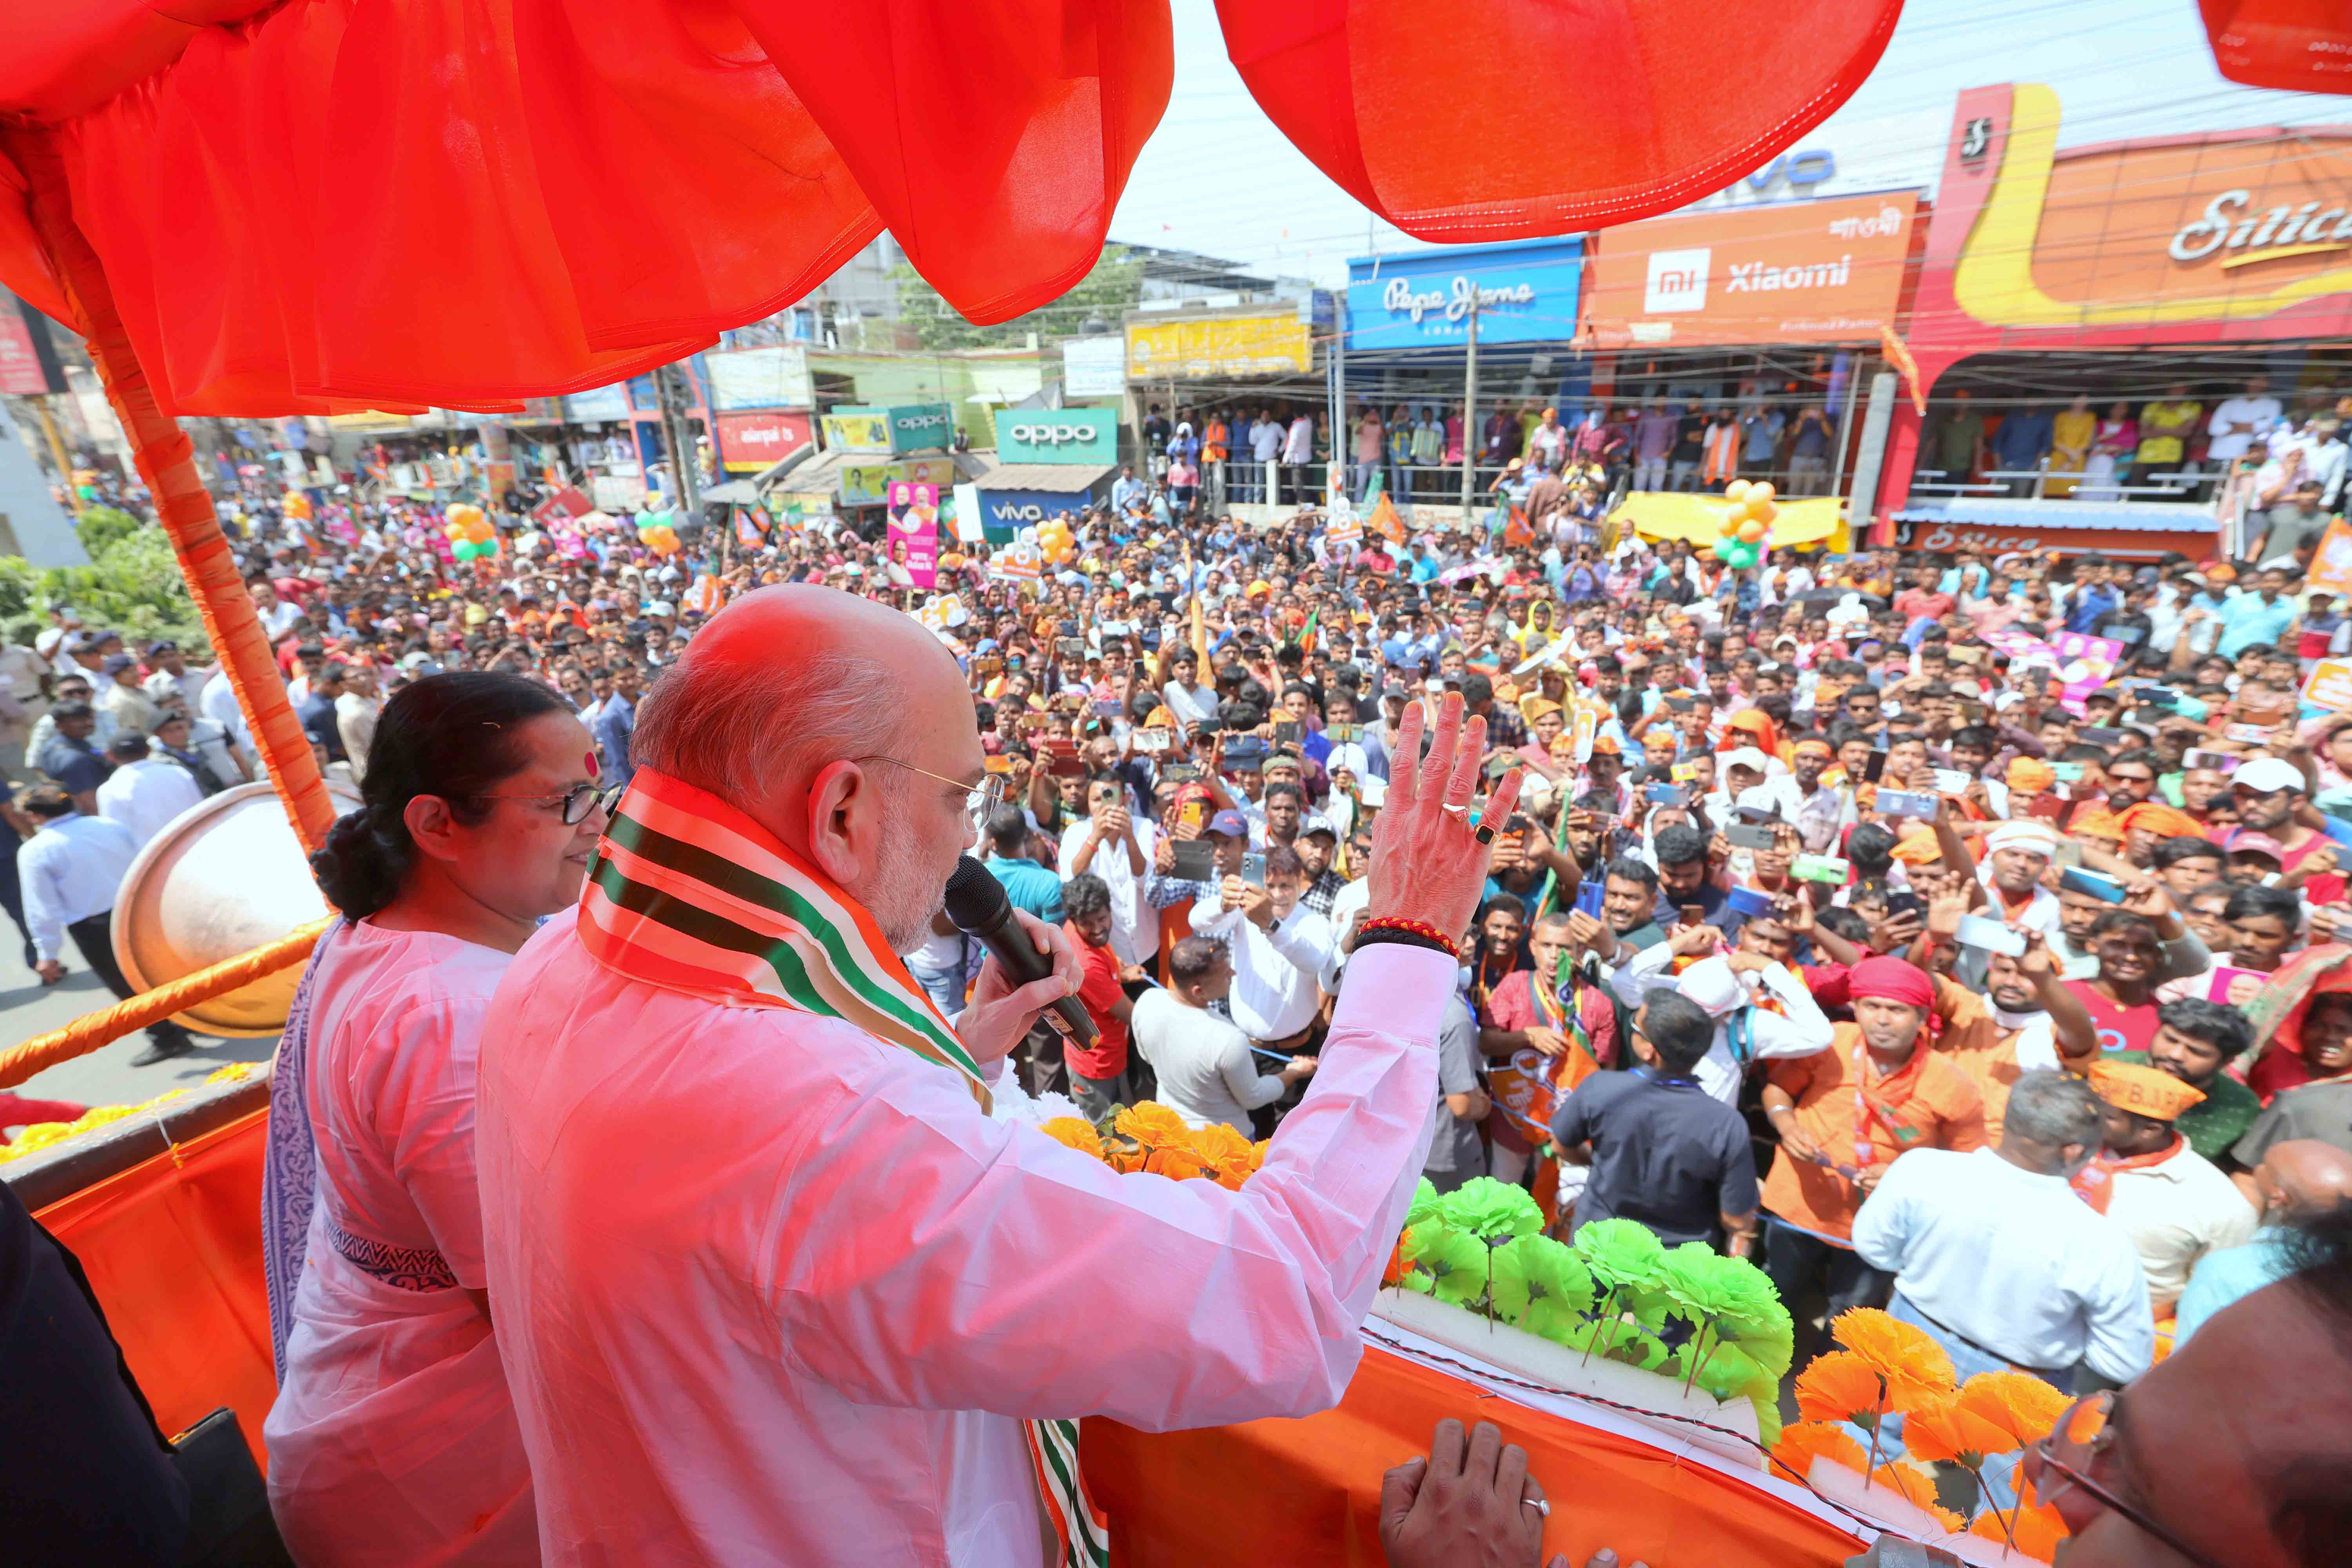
[(1662, 1149), (1690, 447), (316, 711)]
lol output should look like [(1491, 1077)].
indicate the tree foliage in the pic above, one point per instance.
[(132, 586), (1109, 289)]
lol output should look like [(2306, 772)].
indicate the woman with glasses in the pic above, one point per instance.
[(393, 1440)]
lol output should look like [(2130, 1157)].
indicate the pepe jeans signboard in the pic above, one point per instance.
[(1523, 292), (1072, 436)]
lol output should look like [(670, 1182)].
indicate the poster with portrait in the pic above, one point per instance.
[(914, 538)]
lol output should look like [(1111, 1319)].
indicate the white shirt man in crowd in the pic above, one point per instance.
[(1206, 1070), (1109, 843), (71, 870), (1995, 1255), (144, 792), (1278, 945)]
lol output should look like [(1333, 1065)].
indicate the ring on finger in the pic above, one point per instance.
[(1483, 831), (1538, 1504)]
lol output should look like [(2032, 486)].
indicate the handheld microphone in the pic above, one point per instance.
[(977, 906)]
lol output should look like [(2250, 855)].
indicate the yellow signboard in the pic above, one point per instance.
[(1193, 349), (868, 484), (857, 432)]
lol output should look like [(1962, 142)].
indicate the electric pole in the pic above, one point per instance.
[(1470, 416)]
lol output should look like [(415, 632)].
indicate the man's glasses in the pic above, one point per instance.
[(574, 805), (980, 799), (2074, 1448)]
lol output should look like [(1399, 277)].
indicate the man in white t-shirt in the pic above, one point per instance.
[(1109, 843), (2240, 420), (1279, 949), (1266, 447), (1204, 1064)]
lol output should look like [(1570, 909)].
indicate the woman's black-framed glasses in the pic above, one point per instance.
[(2071, 1458), (575, 803)]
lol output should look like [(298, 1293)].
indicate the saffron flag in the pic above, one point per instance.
[(747, 532), (1899, 355), (1385, 521)]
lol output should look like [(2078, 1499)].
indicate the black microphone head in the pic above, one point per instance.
[(975, 899)]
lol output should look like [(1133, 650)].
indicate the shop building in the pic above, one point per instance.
[(2084, 313)]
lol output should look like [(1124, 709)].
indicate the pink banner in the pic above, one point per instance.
[(2086, 664), (914, 540)]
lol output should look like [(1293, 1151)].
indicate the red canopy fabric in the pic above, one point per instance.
[(308, 207), (1492, 120), (2295, 45)]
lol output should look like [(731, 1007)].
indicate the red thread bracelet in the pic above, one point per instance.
[(1418, 927)]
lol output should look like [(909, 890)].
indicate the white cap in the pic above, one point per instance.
[(1746, 757), (2264, 775)]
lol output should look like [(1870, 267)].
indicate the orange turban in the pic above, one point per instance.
[(2164, 821), (1759, 723), (2031, 777), (2142, 1090), (2098, 823), (1919, 847)]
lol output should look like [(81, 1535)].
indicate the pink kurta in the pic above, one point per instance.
[(770, 1291), (392, 1439)]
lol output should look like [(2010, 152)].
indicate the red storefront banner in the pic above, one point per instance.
[(2221, 237), (2295, 45), (749, 442), (1819, 271), (20, 366)]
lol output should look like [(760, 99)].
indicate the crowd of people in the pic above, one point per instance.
[(1841, 922)]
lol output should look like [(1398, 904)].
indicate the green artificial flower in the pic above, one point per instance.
[(1772, 1347), (1767, 1420), (1751, 1302), (1454, 1260), (1620, 1253), (1699, 1282), (1628, 1342), (1491, 1209), (1541, 1286), (1425, 1203), (1724, 1370)]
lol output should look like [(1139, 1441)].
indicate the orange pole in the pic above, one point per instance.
[(91, 1030), (166, 461)]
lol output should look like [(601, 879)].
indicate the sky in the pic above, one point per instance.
[(1218, 178)]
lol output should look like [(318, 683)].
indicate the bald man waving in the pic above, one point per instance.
[(771, 1284)]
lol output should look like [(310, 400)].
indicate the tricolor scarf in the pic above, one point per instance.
[(691, 895)]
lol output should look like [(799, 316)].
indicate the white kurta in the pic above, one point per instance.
[(392, 1441), (770, 1291)]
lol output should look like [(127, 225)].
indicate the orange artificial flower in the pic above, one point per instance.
[(1230, 1157), (1080, 1135), (1178, 1164), (1841, 1386), (1916, 1367), (1154, 1126), (1950, 1429), (1915, 1488), (2037, 1530), (2025, 1406), (1394, 1273), (1806, 1441)]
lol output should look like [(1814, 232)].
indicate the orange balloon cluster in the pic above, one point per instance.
[(1055, 541)]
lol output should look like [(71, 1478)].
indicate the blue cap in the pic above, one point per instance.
[(1231, 824)]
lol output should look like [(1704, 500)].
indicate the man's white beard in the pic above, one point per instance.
[(903, 895)]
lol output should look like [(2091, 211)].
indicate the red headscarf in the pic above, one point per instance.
[(1892, 980)]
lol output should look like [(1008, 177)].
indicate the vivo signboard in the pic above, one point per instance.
[(1523, 292), (1072, 436)]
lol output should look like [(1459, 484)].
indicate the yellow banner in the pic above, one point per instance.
[(1275, 343), (857, 432)]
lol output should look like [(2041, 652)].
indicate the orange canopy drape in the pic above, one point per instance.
[(312, 206)]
